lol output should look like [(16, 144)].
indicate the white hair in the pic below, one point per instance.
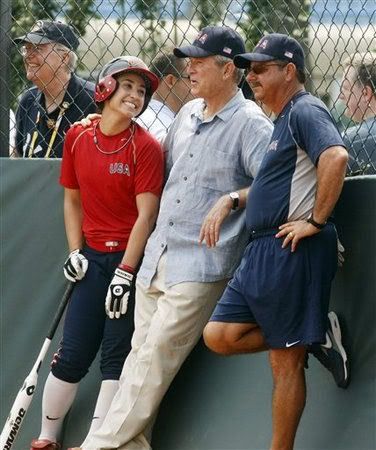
[(72, 57)]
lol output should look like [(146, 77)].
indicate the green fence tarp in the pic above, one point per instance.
[(215, 403)]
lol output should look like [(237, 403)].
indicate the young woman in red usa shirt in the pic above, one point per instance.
[(112, 173)]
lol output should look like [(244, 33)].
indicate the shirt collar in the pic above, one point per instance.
[(290, 104), (225, 113)]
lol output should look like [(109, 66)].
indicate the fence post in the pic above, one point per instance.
[(5, 25)]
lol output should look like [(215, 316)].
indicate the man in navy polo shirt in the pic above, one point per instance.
[(58, 98), (278, 298)]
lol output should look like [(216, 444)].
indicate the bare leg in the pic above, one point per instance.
[(289, 394), (234, 338)]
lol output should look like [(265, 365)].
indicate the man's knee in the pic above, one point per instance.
[(217, 338)]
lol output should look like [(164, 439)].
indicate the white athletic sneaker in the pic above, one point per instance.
[(332, 354)]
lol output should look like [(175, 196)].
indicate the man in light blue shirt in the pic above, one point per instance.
[(213, 149), (223, 155)]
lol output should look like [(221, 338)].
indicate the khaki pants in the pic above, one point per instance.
[(168, 323)]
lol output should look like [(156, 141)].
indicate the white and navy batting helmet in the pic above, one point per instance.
[(106, 84)]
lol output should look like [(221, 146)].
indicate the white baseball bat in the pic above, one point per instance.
[(25, 395)]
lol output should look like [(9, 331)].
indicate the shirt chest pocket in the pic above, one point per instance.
[(218, 170)]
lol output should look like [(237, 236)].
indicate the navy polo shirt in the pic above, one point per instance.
[(285, 186), (79, 102)]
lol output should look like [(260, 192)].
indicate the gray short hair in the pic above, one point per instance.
[(365, 68), (72, 57), (222, 60)]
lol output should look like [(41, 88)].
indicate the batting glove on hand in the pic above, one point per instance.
[(75, 266), (118, 293)]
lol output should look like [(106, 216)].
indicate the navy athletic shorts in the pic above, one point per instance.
[(286, 294)]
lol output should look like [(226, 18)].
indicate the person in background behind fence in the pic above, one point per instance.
[(279, 295), (113, 174), (214, 147), (172, 93), (358, 92), (58, 98)]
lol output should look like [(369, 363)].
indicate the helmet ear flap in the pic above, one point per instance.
[(104, 88)]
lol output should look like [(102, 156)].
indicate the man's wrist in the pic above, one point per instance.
[(234, 196), (313, 222)]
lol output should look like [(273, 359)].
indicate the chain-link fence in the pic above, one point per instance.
[(331, 31)]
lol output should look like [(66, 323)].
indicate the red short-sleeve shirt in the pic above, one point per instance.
[(109, 183)]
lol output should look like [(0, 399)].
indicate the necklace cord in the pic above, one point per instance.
[(96, 143)]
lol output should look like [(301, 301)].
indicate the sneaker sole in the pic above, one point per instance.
[(336, 331)]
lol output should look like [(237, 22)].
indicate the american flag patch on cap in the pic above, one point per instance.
[(202, 38), (227, 50)]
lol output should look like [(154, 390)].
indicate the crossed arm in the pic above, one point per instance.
[(211, 225)]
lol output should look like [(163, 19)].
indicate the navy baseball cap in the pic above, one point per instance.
[(212, 41), (271, 47), (44, 32)]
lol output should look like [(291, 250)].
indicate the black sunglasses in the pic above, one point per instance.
[(257, 70)]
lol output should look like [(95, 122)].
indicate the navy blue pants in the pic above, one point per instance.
[(87, 326)]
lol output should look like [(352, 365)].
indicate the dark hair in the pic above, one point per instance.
[(301, 75), (167, 64), (300, 72)]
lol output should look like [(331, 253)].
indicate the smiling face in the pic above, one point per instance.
[(129, 97), (43, 63)]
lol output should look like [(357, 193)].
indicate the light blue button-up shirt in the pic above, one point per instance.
[(205, 160)]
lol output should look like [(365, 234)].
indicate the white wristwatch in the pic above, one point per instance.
[(235, 200)]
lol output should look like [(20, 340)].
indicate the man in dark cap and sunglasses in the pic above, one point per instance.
[(58, 98), (278, 298)]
